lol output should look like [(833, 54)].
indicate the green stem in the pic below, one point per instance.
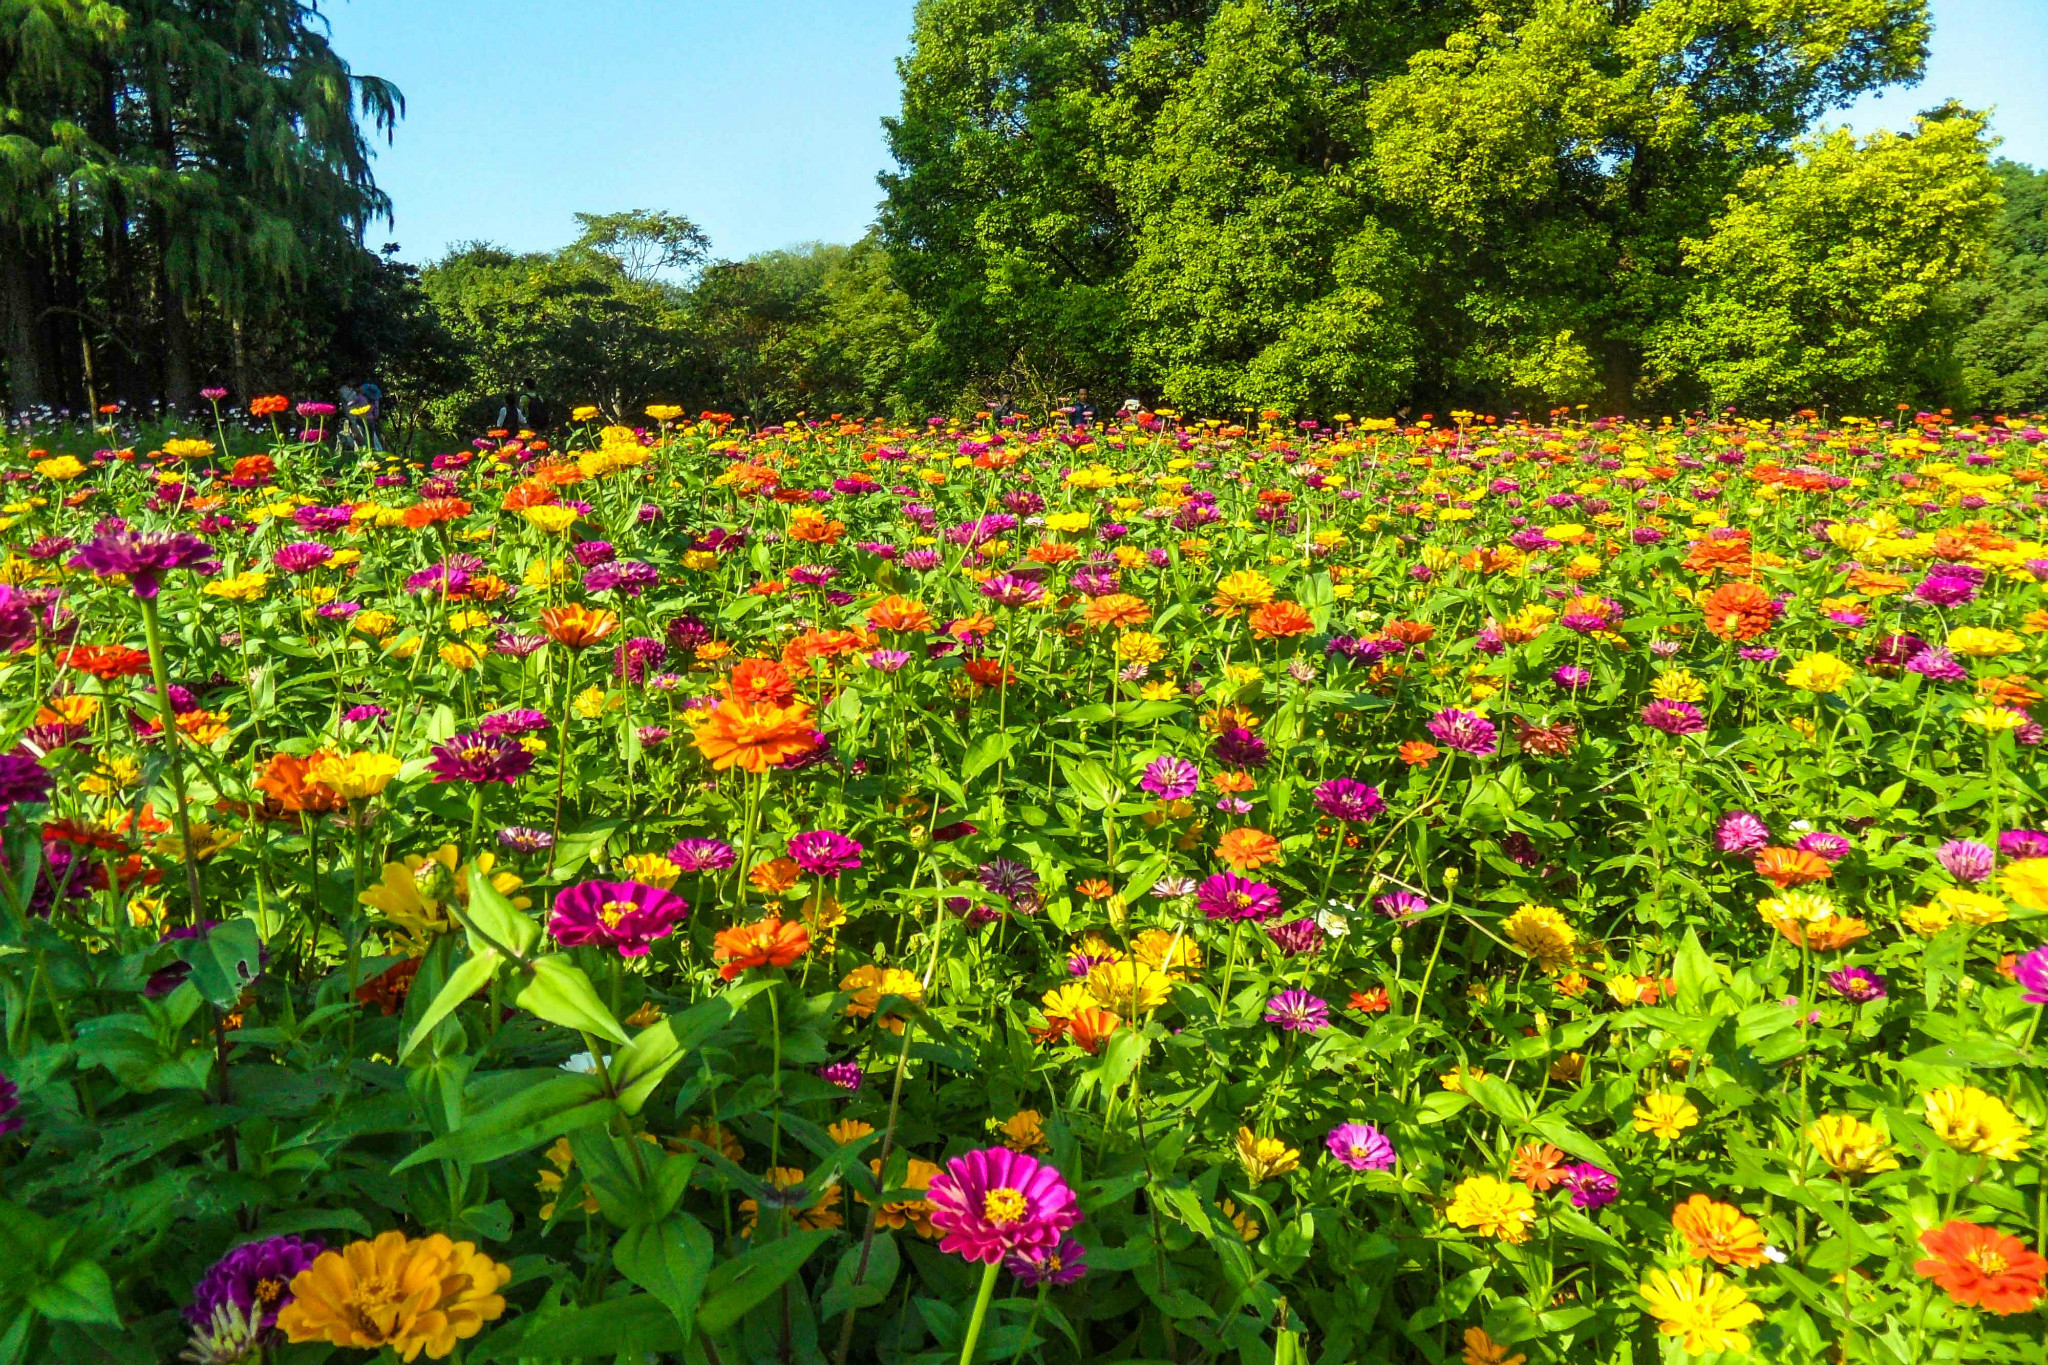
[(981, 1302), (173, 755)]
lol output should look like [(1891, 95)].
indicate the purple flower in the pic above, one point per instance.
[(633, 659), (1741, 832), (627, 576), (2030, 969), (590, 553), (1238, 747), (1591, 1187), (1467, 732), (1361, 1146), (626, 915), (701, 855), (1857, 985), (1674, 717), (1343, 798), (1966, 860), (23, 781), (1062, 1265), (1008, 590), (845, 1075), (887, 660), (1757, 654), (824, 852), (1296, 937), (144, 557), (1007, 877), (1170, 778), (2023, 843), (1937, 664), (1833, 847), (479, 757), (10, 1105), (301, 556), (516, 645), (1893, 652), (994, 1203), (518, 721), (1943, 589), (1399, 904), (1229, 896), (1298, 1012), (520, 839), (256, 1275)]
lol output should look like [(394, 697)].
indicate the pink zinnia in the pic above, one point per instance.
[(1468, 732), (994, 1203), (625, 915), (2031, 971), (823, 852), (1741, 832), (1674, 717)]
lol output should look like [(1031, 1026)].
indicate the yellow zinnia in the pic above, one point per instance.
[(1666, 1114), (1850, 1146), (357, 776), (1707, 1312), (1820, 674), (1263, 1158), (1971, 1120), (411, 1295), (1493, 1208)]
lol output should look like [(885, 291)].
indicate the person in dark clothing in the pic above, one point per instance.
[(512, 411), (1084, 411)]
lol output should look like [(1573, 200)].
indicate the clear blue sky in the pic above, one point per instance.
[(760, 119)]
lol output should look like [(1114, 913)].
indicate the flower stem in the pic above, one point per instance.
[(981, 1302), (173, 756)]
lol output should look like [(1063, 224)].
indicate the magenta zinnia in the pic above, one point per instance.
[(1468, 732), (144, 557), (1361, 1146), (1229, 896), (994, 1203), (824, 852), (1298, 1012), (625, 915), (479, 757), (1343, 798)]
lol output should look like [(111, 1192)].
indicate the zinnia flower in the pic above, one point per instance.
[(995, 1202), (753, 738), (1342, 798), (1229, 896), (628, 916), (1981, 1267), (1493, 1208), (1850, 1146), (1361, 1146), (144, 557), (412, 1295), (1972, 1120), (766, 942), (1466, 732), (1966, 860), (1591, 1186), (701, 855), (1719, 1232), (1707, 1312), (255, 1278), (824, 852), (354, 777), (1170, 778), (1264, 1158), (1298, 1012), (479, 757), (2030, 969), (1666, 1114), (1061, 1266), (1858, 985)]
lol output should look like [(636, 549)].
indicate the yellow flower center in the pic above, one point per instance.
[(611, 912), (269, 1289), (1003, 1206), (1988, 1261)]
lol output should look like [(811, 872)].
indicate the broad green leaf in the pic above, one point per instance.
[(560, 993), (747, 1279), (466, 980), (537, 1114), (632, 1328), (669, 1260), (640, 1065), (495, 915), (842, 1294), (81, 1292), (991, 749), (225, 960)]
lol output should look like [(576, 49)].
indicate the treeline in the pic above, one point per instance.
[(1310, 205)]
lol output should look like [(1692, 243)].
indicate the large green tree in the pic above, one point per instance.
[(1319, 202), (2004, 348)]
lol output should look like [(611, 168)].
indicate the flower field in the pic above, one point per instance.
[(1480, 890)]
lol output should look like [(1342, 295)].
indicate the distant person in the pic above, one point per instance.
[(1084, 411), (370, 412), (348, 435), (1000, 409), (511, 411)]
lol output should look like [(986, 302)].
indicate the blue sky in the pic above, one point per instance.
[(760, 119)]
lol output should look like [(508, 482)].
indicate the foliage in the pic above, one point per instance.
[(2004, 349), (1834, 279), (1485, 892)]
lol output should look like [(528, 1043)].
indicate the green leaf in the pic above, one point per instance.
[(842, 1294), (1694, 972), (225, 960), (560, 993), (472, 976), (556, 1105), (746, 1280), (640, 1065), (82, 1293), (669, 1260), (633, 1328), (495, 915), (991, 749)]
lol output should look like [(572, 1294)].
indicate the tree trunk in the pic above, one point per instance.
[(179, 390), (18, 320), (1622, 363)]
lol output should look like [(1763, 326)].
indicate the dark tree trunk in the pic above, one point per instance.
[(178, 389), (18, 318)]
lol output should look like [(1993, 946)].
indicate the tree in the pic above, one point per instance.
[(2004, 347), (1832, 279), (646, 243)]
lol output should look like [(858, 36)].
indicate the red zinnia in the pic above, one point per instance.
[(1982, 1267)]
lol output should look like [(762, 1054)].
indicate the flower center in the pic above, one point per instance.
[(1054, 1265), (269, 1289), (1988, 1261), (476, 753), (1003, 1206), (611, 912)]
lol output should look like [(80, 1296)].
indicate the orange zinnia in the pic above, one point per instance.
[(764, 943), (1418, 753), (1538, 1165), (1789, 867), (1739, 611), (532, 493), (775, 876), (578, 626), (1824, 935), (1374, 1001), (434, 511), (988, 673), (284, 781), (105, 662), (899, 613), (1090, 1027), (1116, 610), (1719, 1232), (752, 738), (1280, 620), (1248, 848), (1982, 1267), (1410, 632), (759, 682)]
